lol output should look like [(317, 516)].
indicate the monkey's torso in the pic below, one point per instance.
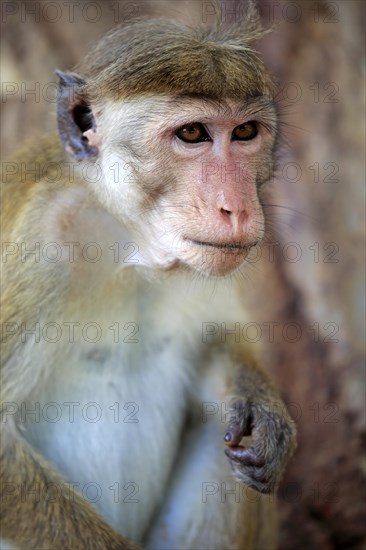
[(122, 374)]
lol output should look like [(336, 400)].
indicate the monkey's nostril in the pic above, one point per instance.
[(225, 212)]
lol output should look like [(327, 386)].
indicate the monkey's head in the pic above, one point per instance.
[(180, 125)]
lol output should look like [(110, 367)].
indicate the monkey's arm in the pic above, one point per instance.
[(256, 410), (203, 494), (39, 510)]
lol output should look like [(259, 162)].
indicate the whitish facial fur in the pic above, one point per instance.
[(176, 196)]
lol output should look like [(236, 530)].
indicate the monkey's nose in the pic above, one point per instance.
[(233, 218)]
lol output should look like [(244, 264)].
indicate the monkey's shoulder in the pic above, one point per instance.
[(30, 162), (35, 171)]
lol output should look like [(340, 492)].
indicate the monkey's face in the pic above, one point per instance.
[(187, 173)]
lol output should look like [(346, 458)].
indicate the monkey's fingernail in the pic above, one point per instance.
[(228, 436)]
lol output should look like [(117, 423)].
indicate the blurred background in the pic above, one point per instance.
[(306, 290)]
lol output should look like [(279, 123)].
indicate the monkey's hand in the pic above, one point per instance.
[(273, 434)]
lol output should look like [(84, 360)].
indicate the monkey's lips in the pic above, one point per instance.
[(226, 247), (215, 258)]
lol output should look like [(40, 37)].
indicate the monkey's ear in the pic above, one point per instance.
[(74, 117)]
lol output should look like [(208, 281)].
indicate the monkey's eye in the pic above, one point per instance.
[(193, 133), (246, 131)]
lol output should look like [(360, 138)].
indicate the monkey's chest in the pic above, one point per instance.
[(110, 419)]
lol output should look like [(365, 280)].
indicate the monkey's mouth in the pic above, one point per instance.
[(226, 247)]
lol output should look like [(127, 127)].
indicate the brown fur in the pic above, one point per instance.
[(215, 64), (197, 61)]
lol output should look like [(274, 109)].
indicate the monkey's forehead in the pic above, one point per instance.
[(173, 59), (170, 110)]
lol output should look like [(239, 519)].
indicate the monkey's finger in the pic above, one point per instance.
[(245, 456), (233, 436), (236, 430), (248, 479), (263, 475)]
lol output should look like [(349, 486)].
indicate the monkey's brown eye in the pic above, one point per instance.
[(246, 131), (193, 133)]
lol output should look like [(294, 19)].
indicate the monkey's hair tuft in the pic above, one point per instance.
[(162, 56)]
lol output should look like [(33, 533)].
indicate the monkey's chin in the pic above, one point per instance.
[(221, 267)]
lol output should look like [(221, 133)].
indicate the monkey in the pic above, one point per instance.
[(128, 419)]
